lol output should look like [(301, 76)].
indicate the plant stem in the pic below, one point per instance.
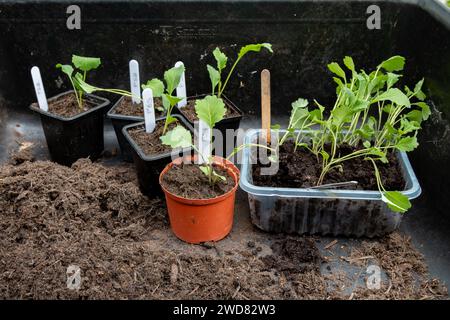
[(228, 77)]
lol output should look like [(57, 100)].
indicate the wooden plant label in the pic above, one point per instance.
[(265, 103)]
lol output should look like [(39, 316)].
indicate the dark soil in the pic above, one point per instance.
[(187, 181), (300, 169), (94, 217), (127, 108), (67, 105), (150, 143), (293, 255), (189, 111)]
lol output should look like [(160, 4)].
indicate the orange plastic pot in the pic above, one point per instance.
[(201, 220)]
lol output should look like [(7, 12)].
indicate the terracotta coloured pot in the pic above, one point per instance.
[(202, 220)]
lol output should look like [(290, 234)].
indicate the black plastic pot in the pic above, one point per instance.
[(222, 126), (72, 138), (119, 121), (148, 168)]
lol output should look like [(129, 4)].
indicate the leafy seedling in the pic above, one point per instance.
[(215, 74), (83, 65), (172, 79), (370, 114), (210, 110)]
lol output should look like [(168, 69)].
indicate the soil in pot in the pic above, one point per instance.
[(300, 169), (188, 181), (67, 105), (128, 108), (150, 143), (189, 111)]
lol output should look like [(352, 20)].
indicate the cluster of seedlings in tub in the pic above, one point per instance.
[(370, 114)]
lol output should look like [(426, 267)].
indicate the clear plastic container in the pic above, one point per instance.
[(325, 212)]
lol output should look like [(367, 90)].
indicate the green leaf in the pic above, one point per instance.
[(172, 78), (366, 144), (407, 126), (80, 83), (378, 153), (418, 90), (299, 113), (348, 62), (221, 59), (170, 119), (407, 144), (66, 68), (254, 47), (210, 109), (392, 79), (179, 137), (214, 76), (156, 85), (367, 130), (336, 69), (396, 201), (169, 100), (395, 95), (360, 105), (85, 63), (426, 112), (340, 115), (325, 155), (414, 115), (395, 63)]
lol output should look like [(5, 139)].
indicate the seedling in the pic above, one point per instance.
[(215, 75), (210, 110), (172, 78), (396, 120), (81, 66)]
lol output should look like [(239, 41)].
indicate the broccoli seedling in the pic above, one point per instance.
[(172, 78), (83, 64), (397, 120), (215, 75), (211, 110)]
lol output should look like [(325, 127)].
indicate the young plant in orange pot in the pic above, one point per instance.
[(200, 190)]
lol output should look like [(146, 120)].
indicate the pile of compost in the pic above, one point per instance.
[(94, 217)]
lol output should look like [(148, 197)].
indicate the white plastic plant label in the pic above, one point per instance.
[(39, 88), (149, 110), (204, 141), (181, 89), (135, 81)]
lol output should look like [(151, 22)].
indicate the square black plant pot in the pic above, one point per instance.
[(148, 168), (119, 121), (227, 123), (80, 136)]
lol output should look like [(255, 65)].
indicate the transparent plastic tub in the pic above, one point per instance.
[(326, 212)]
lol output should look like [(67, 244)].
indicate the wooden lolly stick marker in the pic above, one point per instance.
[(265, 103)]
